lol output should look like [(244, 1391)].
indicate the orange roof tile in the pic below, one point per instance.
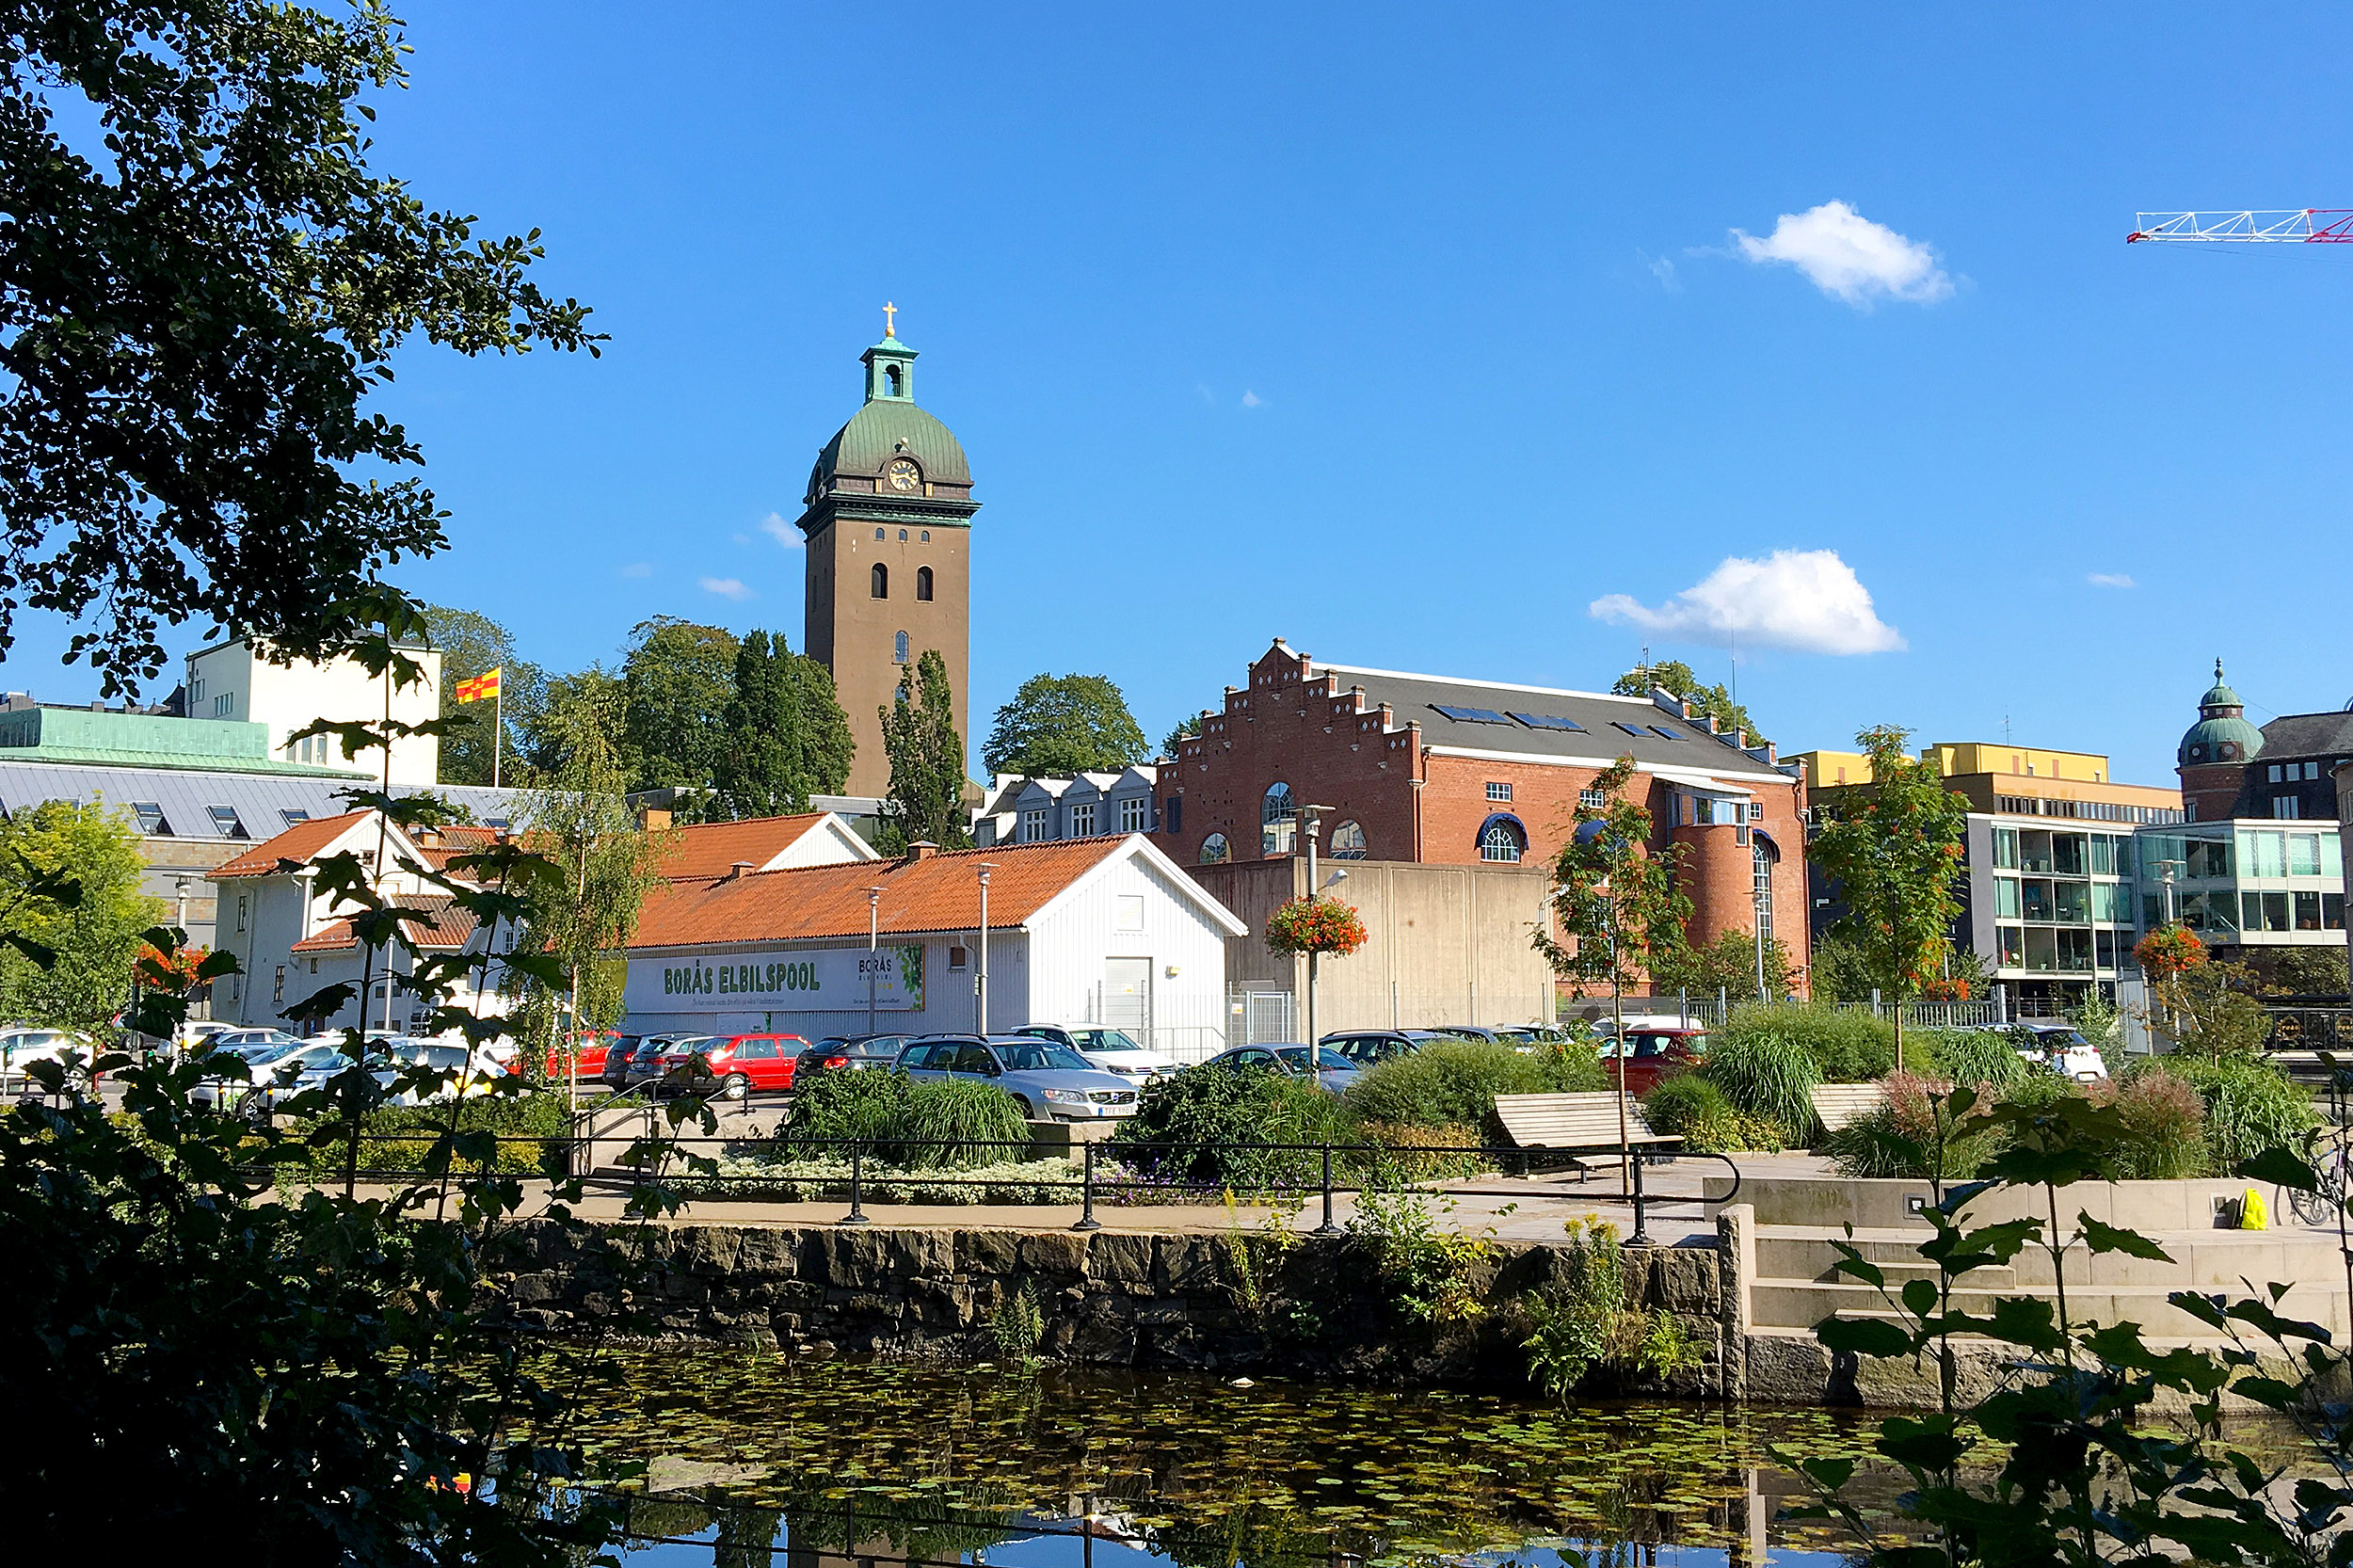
[(939, 893), (712, 848), (298, 843), (445, 928)]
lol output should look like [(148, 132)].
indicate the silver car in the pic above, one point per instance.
[(1051, 1083)]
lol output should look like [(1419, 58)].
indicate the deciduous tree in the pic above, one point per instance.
[(1728, 964), (1677, 677), (70, 875), (1064, 723), (202, 281), (677, 682), (1892, 850), (470, 644), (926, 798)]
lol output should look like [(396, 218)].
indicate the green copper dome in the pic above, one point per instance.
[(2222, 732), (889, 427)]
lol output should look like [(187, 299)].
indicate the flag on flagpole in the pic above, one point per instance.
[(482, 687)]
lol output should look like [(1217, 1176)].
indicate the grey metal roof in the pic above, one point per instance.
[(186, 795), (2328, 735), (1609, 725)]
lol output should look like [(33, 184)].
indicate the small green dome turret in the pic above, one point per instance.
[(2222, 732)]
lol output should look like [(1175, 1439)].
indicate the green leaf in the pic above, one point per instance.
[(1919, 1296), (1872, 1337), (2105, 1238), (2279, 1168)]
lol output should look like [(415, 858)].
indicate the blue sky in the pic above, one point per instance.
[(1409, 333)]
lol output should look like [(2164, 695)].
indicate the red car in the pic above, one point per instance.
[(1653, 1055), (744, 1063), (587, 1056)]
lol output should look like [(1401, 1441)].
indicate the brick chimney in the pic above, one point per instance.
[(922, 849), (654, 818), (738, 871)]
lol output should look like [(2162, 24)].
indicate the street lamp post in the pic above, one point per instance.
[(873, 936), (1315, 831), (980, 979)]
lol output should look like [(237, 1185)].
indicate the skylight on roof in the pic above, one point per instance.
[(1662, 730), (1630, 728), (1547, 720), (150, 818), (225, 822), (293, 816), (1470, 715)]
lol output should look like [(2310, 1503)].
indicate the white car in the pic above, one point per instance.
[(19, 1048), (2062, 1049), (1111, 1049)]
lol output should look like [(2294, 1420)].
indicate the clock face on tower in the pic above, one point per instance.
[(903, 474)]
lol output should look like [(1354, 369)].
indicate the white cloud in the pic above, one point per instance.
[(1252, 400), (638, 568), (782, 532), (1848, 257), (2111, 580), (1807, 600), (1662, 269), (725, 587)]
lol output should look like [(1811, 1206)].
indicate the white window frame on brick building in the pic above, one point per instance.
[(1498, 791)]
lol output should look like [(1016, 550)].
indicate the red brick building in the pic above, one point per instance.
[(1428, 769)]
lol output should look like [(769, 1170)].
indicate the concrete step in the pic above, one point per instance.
[(2202, 1259), (1797, 1304)]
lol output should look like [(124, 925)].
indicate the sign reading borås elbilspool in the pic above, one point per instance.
[(803, 980)]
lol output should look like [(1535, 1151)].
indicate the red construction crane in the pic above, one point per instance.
[(2293, 226)]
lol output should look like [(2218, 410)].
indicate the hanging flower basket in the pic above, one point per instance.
[(2168, 950), (1315, 925)]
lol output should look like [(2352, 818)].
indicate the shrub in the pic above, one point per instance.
[(1400, 1160), (1912, 1135), (896, 1114), (2165, 1125), (1691, 1108), (1768, 1076), (1455, 1082), (530, 1130), (1201, 1108), (1850, 1046), (2250, 1105), (1971, 1058)]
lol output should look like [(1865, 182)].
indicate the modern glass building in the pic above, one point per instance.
[(2050, 910), (2246, 884)]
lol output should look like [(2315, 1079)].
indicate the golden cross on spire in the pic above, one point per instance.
[(889, 326)]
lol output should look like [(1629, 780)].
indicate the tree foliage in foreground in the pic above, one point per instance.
[(202, 281)]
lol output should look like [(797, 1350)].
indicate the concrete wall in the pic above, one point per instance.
[(1446, 944), (238, 685)]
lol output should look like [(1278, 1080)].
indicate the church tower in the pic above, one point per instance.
[(889, 522)]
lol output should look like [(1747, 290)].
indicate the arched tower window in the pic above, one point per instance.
[(894, 381), (1502, 838), (1348, 841), (899, 649), (1764, 855), (878, 581), (924, 584), (1215, 851), (1278, 822)]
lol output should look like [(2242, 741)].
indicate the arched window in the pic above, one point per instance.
[(1763, 854), (1278, 820), (878, 581), (899, 649), (1348, 841), (891, 381), (1502, 838), (1215, 851), (924, 584)]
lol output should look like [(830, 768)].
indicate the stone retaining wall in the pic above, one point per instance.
[(1108, 1299)]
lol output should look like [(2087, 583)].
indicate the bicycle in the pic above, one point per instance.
[(2321, 1205)]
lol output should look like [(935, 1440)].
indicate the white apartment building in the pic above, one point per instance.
[(234, 681)]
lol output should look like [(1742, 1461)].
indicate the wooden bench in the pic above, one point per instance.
[(1835, 1104), (1579, 1122)]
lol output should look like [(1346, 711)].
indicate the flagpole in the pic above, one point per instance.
[(498, 729)]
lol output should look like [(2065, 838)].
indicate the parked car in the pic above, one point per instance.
[(1652, 1055), (1114, 1050), (1364, 1048), (850, 1053), (1473, 1032), (1051, 1083), (620, 1059), (590, 1049), (313, 1066), (242, 1040), (1528, 1036), (21, 1047), (2060, 1047), (1333, 1072), (260, 1056), (468, 1071), (741, 1065)]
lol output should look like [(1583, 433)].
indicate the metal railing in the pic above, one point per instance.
[(649, 1157)]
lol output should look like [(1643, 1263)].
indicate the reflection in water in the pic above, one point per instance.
[(842, 1464)]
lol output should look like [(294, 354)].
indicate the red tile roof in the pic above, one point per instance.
[(298, 843), (712, 849), (939, 893), (445, 928)]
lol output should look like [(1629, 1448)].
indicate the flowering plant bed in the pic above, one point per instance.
[(1315, 925)]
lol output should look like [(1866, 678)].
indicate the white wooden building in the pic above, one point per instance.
[(1104, 930)]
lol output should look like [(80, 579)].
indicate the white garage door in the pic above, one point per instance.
[(1127, 995)]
